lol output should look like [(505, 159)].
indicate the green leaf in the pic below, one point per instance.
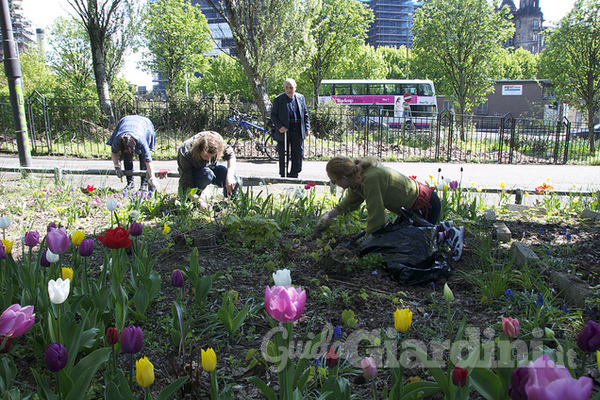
[(433, 368), (267, 391), (226, 320), (141, 299), (171, 390), (85, 371), (421, 390), (487, 384)]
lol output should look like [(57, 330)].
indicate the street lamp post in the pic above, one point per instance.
[(407, 40)]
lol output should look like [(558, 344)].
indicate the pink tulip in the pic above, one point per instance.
[(58, 240), (511, 327), (285, 303), (548, 381), (368, 367), (16, 320)]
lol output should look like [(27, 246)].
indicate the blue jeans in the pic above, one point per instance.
[(212, 174)]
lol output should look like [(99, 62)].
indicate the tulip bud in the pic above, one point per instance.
[(132, 339), (77, 237), (4, 222), (86, 247), (282, 278), (44, 260), (285, 303), (136, 229), (15, 321), (448, 295), (57, 240), (56, 357), (51, 257), (8, 245), (459, 376), (209, 359), (402, 319), (112, 336), (511, 327), (144, 372), (2, 252), (549, 333), (177, 278), (331, 358), (111, 204), (51, 225), (589, 337), (368, 367), (58, 290), (67, 273), (32, 238)]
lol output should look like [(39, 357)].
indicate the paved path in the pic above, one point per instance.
[(527, 177)]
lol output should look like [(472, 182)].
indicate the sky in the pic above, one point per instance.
[(43, 12)]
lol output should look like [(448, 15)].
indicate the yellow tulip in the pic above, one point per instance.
[(8, 245), (402, 319), (502, 185), (209, 360), (67, 273), (144, 372), (77, 237), (598, 357), (166, 229)]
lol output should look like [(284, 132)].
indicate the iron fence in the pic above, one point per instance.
[(76, 127)]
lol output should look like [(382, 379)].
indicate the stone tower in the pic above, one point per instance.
[(528, 20)]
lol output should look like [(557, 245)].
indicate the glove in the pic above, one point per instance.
[(153, 183), (119, 171)]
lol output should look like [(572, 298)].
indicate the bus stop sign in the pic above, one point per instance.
[(407, 97)]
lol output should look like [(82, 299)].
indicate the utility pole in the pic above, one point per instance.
[(12, 68)]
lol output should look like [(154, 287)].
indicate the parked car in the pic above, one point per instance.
[(371, 122), (584, 133)]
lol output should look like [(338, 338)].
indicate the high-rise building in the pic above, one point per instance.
[(21, 26), (528, 20), (219, 29), (392, 24)]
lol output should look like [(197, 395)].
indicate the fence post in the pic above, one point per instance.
[(58, 175)]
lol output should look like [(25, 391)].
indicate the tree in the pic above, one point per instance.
[(340, 26), (519, 64), (395, 60), (271, 39), (572, 58), (225, 75), (35, 72), (363, 62), (103, 20), (177, 35), (460, 41)]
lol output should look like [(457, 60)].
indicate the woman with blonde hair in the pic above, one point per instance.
[(382, 188)]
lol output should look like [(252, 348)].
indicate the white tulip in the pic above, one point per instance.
[(51, 257), (4, 222), (134, 215), (282, 278), (58, 290), (111, 204)]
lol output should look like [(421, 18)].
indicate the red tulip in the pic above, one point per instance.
[(511, 327), (116, 238), (459, 376), (112, 336), (331, 358)]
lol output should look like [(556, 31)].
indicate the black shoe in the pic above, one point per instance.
[(293, 176)]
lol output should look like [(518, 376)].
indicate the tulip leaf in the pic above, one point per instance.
[(487, 383), (432, 366), (141, 299), (420, 390), (267, 391), (118, 388), (44, 392), (337, 387), (85, 371), (171, 390)]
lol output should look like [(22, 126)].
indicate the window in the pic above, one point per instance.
[(482, 109)]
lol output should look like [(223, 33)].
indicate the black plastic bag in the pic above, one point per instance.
[(409, 249)]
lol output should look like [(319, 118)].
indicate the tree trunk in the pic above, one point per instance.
[(102, 81), (590, 123)]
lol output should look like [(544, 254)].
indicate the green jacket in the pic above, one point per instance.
[(382, 188)]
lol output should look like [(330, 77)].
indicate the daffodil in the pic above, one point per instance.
[(402, 319)]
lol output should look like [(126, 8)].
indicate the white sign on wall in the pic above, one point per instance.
[(512, 90)]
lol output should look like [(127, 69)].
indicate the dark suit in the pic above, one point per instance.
[(280, 117)]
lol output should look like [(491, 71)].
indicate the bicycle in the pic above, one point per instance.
[(260, 136)]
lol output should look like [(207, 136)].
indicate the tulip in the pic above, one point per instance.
[(77, 237), (448, 295), (589, 337), (134, 215), (111, 204), (8, 245), (177, 278), (32, 238), (58, 290), (518, 380), (331, 358), (282, 278), (112, 336), (56, 357), (453, 185), (166, 229), (51, 257), (368, 367), (402, 319), (550, 381), (136, 229), (86, 247), (5, 344), (132, 339), (285, 303), (15, 321), (4, 222), (89, 188), (209, 359), (598, 358), (144, 372), (44, 260), (51, 225), (459, 376), (58, 240), (116, 238), (67, 273), (511, 327), (2, 252)]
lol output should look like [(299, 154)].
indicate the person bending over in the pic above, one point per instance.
[(197, 163)]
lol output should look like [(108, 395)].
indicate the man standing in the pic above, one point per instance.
[(290, 114), (134, 134)]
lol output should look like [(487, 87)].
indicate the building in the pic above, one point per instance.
[(219, 29), (392, 24), (528, 20), (21, 26)]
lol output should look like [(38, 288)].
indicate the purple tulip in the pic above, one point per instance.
[(136, 229), (550, 381), (58, 240), (32, 238), (2, 251), (589, 337), (16, 320), (132, 339), (453, 185), (56, 357), (43, 260), (177, 278), (285, 303), (86, 247), (518, 380), (51, 226)]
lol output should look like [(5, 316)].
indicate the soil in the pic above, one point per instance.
[(331, 288)]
